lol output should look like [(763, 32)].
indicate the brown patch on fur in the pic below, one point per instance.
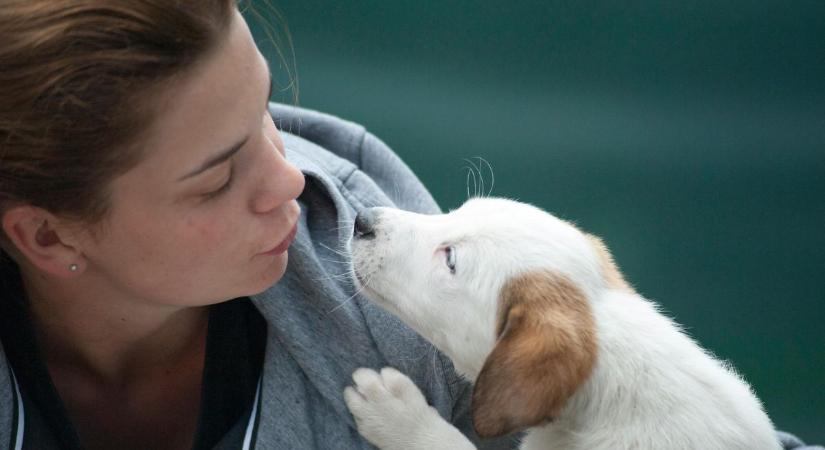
[(612, 276), (545, 351)]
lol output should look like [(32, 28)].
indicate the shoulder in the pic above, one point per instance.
[(345, 156), (338, 136)]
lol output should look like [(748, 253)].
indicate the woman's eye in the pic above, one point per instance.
[(450, 258), (225, 187)]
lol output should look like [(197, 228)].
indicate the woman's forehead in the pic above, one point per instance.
[(210, 107)]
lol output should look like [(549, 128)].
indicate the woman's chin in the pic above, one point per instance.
[(272, 273)]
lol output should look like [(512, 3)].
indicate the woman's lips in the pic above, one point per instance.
[(284, 245)]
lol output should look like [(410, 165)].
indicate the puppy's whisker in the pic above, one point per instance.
[(343, 277), (339, 252), (471, 172), (480, 192), (479, 187), (334, 261), (492, 175), (358, 291), (467, 182), (347, 227), (343, 225)]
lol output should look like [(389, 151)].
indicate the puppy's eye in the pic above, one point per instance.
[(450, 258)]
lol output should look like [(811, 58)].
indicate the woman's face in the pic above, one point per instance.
[(208, 214)]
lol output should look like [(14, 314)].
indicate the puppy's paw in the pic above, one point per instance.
[(389, 409)]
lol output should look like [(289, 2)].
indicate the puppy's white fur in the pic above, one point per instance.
[(534, 312)]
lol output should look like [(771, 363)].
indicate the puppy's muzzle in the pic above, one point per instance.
[(365, 224)]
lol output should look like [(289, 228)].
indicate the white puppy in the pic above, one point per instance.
[(535, 314)]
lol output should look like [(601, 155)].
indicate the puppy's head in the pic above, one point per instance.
[(501, 287)]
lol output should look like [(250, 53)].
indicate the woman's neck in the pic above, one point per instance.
[(111, 338)]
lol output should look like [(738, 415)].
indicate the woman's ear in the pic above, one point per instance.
[(39, 237), (546, 349)]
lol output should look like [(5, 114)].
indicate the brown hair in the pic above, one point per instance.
[(76, 85)]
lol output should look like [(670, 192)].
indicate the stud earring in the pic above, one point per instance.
[(73, 267)]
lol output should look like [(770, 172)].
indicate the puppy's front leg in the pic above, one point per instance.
[(392, 413)]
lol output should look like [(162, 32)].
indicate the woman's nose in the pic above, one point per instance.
[(280, 182)]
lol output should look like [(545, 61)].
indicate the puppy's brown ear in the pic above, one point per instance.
[(546, 349)]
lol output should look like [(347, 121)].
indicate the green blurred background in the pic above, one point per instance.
[(690, 135)]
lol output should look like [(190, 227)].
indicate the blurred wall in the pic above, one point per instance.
[(690, 135)]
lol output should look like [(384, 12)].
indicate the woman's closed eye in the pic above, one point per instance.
[(224, 187)]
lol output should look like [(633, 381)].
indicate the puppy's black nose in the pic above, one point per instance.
[(365, 224)]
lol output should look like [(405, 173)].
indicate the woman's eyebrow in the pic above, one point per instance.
[(217, 159), (226, 154)]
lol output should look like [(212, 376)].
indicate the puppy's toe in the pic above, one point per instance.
[(402, 387), (353, 399), (368, 383)]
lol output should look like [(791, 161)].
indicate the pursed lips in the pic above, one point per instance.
[(284, 244)]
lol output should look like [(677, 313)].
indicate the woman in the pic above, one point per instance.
[(148, 202)]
